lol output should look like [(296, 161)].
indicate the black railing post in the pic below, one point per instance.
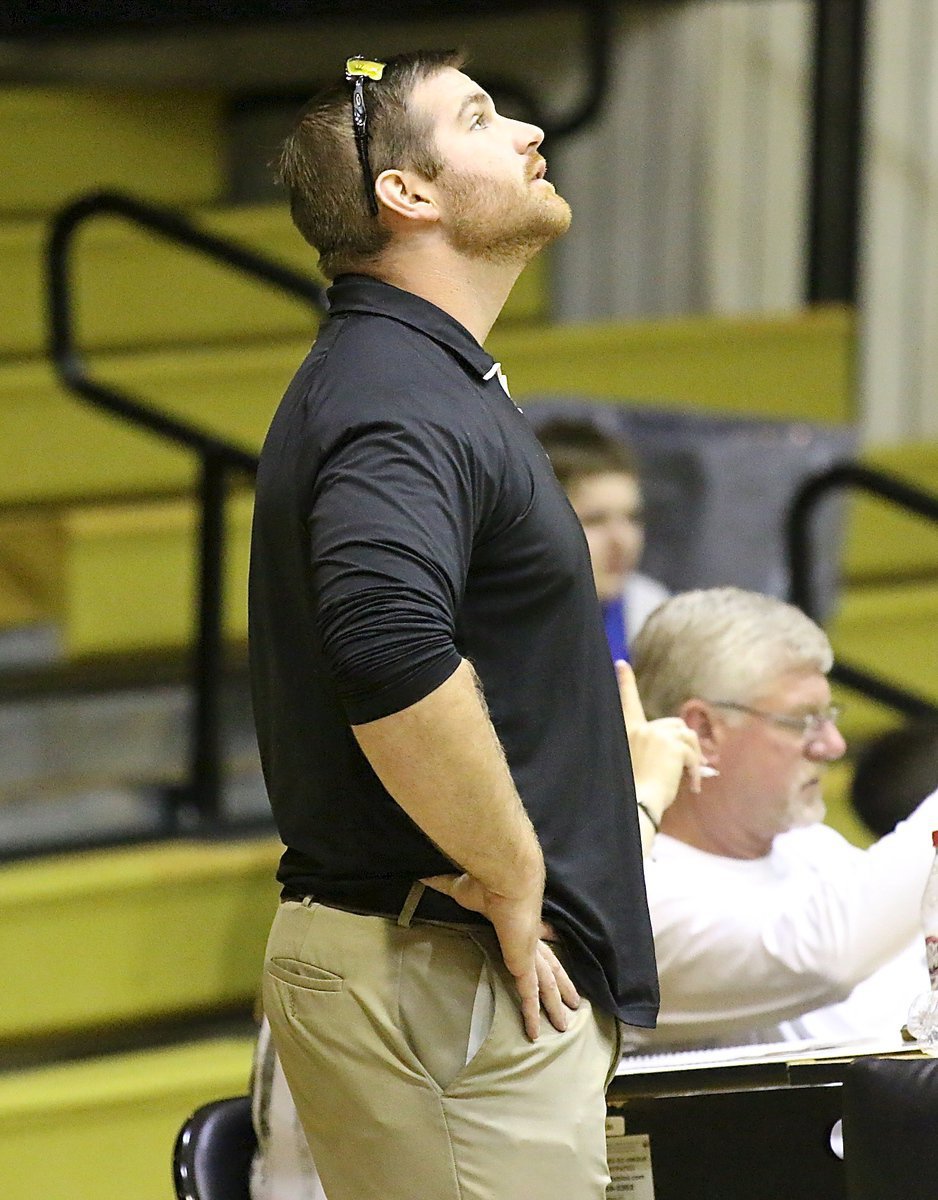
[(836, 478), (840, 34), (198, 799), (599, 17), (799, 527)]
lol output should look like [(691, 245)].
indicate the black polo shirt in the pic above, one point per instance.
[(407, 518)]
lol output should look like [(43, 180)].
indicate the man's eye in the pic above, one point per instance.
[(478, 121)]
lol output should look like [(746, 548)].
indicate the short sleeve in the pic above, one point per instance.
[(391, 526)]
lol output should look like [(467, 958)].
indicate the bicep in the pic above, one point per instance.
[(390, 537)]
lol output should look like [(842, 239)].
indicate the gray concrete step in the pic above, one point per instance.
[(97, 766)]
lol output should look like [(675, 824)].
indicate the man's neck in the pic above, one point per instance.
[(700, 821), (472, 291)]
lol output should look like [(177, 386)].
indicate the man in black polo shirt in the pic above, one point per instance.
[(437, 715)]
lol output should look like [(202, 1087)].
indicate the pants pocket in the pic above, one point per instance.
[(304, 975), (445, 1002)]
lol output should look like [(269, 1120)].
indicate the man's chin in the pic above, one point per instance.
[(810, 810), (552, 220), (522, 244), (563, 212)]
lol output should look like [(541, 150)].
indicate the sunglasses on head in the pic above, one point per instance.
[(357, 70)]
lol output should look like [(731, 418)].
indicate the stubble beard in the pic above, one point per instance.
[(497, 223)]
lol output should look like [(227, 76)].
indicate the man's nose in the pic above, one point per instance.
[(828, 744), (621, 532), (527, 137)]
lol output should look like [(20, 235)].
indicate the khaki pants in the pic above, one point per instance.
[(372, 1024)]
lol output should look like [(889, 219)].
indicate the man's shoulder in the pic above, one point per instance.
[(373, 367), (674, 866), (377, 345)]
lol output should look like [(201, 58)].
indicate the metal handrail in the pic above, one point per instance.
[(218, 458), (599, 19), (801, 558)]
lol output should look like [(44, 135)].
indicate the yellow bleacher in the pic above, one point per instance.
[(886, 620), (98, 945), (103, 1128), (105, 938)]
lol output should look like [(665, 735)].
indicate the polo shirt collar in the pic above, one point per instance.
[(364, 294)]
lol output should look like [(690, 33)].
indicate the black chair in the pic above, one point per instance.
[(891, 1128), (213, 1151)]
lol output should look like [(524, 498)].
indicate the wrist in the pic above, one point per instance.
[(645, 812)]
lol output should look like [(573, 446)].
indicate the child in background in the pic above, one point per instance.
[(600, 475)]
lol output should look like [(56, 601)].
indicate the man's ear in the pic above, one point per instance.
[(698, 715), (404, 194)]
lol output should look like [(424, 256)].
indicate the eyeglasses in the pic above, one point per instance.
[(808, 725), (357, 70)]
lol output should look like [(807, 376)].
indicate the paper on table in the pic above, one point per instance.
[(760, 1052)]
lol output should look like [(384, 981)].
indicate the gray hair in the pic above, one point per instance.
[(722, 644)]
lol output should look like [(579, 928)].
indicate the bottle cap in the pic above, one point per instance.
[(934, 838)]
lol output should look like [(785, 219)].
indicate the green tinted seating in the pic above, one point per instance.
[(100, 943), (134, 289), (120, 578), (890, 630), (20, 604), (794, 367), (888, 617), (59, 448)]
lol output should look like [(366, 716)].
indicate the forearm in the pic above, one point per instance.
[(663, 753), (441, 760), (862, 911), (879, 911)]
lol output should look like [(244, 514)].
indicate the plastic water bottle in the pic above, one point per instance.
[(922, 1022), (930, 918)]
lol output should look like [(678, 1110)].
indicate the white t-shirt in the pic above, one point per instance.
[(819, 939), (640, 597)]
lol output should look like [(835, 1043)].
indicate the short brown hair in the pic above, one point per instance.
[(578, 449), (319, 165)]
